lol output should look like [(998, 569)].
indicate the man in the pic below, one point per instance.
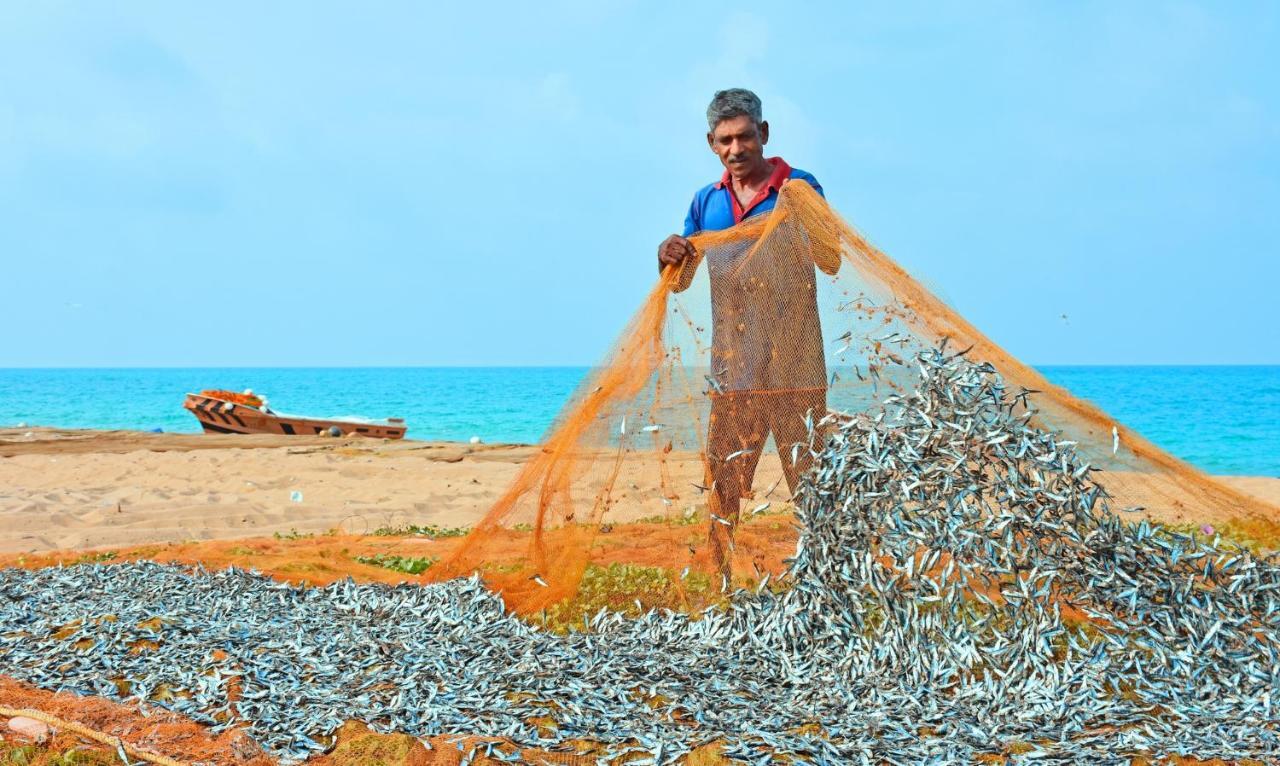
[(768, 370)]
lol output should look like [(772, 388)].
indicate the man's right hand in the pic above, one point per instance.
[(673, 251)]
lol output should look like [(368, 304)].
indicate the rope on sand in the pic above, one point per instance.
[(92, 734)]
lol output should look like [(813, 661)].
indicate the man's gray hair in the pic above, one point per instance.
[(734, 102)]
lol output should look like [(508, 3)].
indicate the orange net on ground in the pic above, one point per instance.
[(705, 410)]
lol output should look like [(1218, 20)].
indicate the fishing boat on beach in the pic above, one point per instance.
[(228, 412)]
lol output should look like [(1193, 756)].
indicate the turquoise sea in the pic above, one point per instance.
[(1223, 419)]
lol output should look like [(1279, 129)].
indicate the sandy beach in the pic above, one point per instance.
[(86, 489), (66, 489)]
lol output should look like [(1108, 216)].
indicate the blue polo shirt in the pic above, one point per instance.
[(716, 207)]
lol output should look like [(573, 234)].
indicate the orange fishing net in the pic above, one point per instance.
[(249, 400), (702, 414)]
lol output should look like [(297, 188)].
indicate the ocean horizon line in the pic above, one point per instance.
[(1224, 419), (1038, 365)]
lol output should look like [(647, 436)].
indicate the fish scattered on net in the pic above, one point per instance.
[(699, 407), (960, 586)]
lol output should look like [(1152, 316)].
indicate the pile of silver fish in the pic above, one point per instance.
[(940, 538)]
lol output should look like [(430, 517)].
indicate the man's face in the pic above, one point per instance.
[(739, 143)]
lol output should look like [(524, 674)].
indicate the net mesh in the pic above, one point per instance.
[(708, 409)]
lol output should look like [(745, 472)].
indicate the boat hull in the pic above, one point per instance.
[(223, 417)]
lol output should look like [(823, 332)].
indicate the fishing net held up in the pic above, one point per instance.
[(712, 405)]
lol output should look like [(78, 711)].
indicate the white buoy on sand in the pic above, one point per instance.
[(475, 440)]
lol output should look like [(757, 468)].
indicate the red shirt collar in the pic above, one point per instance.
[(781, 172)]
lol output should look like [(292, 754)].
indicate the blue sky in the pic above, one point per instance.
[(325, 184)]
